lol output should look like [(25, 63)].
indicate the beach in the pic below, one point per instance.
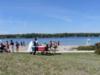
[(60, 49)]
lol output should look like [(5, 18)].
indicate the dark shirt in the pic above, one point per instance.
[(11, 43), (2, 46), (17, 44), (35, 43)]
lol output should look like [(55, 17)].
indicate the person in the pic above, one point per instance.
[(17, 46), (24, 43), (58, 43), (50, 45), (7, 46), (21, 43), (35, 43), (12, 45), (55, 45), (2, 47), (46, 49)]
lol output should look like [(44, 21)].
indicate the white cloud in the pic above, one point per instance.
[(92, 17), (63, 18)]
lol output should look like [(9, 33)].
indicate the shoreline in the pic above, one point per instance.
[(61, 49)]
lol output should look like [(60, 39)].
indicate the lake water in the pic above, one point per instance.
[(63, 41)]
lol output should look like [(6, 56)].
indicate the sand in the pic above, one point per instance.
[(61, 49)]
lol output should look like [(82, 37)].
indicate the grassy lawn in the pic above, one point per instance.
[(63, 64)]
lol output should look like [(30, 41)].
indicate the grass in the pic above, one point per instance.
[(64, 64), (87, 48)]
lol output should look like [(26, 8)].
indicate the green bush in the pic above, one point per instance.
[(86, 48), (97, 48)]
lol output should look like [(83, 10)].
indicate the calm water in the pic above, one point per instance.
[(63, 41)]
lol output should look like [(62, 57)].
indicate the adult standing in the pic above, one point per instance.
[(50, 44), (58, 43), (12, 45), (35, 45), (2, 48), (7, 46), (17, 46)]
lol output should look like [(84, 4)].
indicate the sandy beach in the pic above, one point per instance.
[(60, 49)]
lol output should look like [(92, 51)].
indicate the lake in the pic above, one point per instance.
[(63, 41)]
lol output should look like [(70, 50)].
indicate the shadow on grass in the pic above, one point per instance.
[(47, 54), (38, 54)]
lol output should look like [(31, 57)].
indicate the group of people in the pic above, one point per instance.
[(54, 44), (10, 46), (49, 46)]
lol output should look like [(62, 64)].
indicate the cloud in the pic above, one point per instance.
[(92, 17), (60, 17), (56, 13)]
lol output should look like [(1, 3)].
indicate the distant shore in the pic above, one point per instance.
[(48, 35)]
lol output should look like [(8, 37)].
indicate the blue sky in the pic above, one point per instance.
[(49, 16)]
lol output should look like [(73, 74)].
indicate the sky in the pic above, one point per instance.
[(49, 16)]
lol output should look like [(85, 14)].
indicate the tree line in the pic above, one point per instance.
[(45, 35)]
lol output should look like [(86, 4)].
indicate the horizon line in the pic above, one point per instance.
[(52, 33)]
